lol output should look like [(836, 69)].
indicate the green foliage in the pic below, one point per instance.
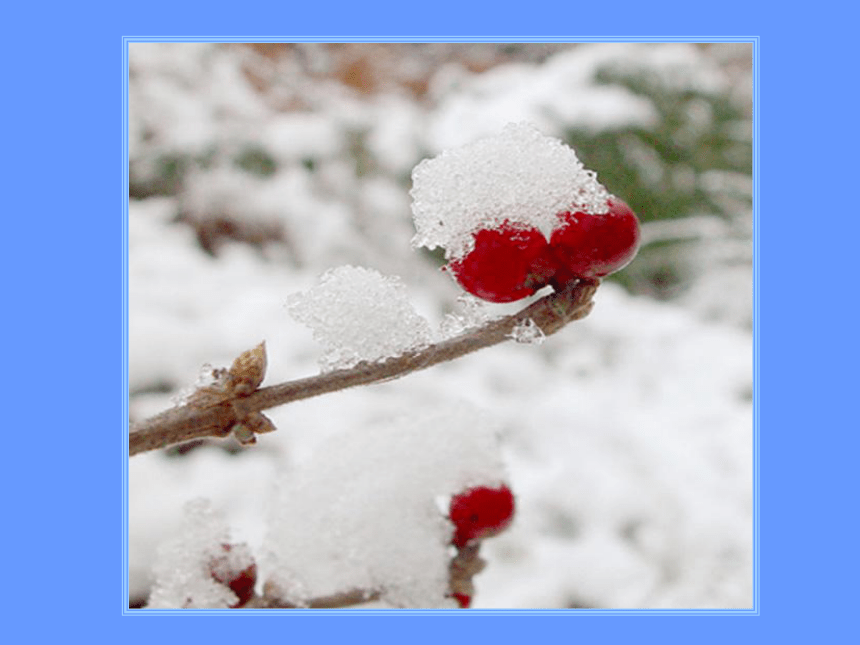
[(164, 174), (256, 161), (658, 169), (157, 177)]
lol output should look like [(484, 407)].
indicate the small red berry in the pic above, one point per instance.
[(241, 582), (463, 600), (480, 512), (507, 263), (593, 246)]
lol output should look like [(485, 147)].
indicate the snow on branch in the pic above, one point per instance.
[(235, 404)]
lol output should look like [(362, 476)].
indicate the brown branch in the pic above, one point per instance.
[(462, 568), (216, 417), (335, 601)]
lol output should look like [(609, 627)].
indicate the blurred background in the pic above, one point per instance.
[(253, 168)]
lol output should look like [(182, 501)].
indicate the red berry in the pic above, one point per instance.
[(240, 581), (593, 246), (507, 263), (464, 601), (480, 512)]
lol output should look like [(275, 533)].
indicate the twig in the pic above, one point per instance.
[(335, 601), (465, 566), (218, 417), (462, 568)]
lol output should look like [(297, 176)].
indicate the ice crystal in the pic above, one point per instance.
[(527, 331)]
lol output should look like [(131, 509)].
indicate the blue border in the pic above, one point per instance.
[(757, 215), (809, 122), (756, 323), (125, 391), (62, 323), (60, 265), (754, 611)]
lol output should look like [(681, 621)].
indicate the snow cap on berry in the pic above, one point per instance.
[(519, 175)]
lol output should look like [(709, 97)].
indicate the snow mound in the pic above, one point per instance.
[(367, 510)]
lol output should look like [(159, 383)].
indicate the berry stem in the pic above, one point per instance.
[(463, 567), (190, 421)]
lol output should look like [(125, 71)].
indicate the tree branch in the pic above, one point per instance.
[(216, 417), (462, 568)]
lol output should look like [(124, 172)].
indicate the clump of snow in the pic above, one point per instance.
[(184, 564), (363, 514), (358, 314), (519, 175), (528, 332)]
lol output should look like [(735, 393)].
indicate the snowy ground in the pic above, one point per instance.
[(627, 437)]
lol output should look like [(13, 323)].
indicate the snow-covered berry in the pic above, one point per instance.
[(235, 568), (507, 263), (517, 211), (480, 512)]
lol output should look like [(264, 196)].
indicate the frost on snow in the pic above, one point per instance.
[(519, 175), (367, 511), (183, 566), (357, 315)]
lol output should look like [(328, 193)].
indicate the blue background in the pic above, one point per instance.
[(63, 278)]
